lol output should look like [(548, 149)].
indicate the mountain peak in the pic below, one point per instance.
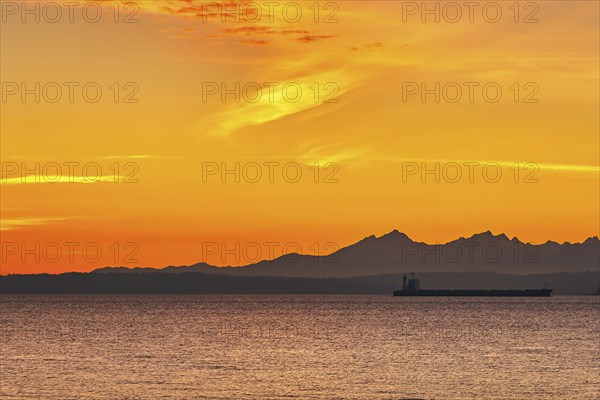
[(367, 239), (396, 234), (489, 235), (486, 234)]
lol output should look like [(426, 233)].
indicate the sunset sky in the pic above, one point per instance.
[(163, 147)]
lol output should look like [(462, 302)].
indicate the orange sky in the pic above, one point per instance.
[(368, 54)]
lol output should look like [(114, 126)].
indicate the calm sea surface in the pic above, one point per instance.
[(298, 347)]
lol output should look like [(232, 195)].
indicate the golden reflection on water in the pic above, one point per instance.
[(305, 347)]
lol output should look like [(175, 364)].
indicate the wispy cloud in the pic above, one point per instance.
[(507, 164), (9, 224), (312, 38), (350, 155), (278, 101)]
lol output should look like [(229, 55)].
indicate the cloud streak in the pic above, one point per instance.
[(10, 224)]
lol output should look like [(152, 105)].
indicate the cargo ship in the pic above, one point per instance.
[(413, 288)]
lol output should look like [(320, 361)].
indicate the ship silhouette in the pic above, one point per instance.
[(413, 288)]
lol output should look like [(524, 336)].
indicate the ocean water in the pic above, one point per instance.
[(298, 347)]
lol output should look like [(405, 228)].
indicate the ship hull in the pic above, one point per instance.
[(476, 293)]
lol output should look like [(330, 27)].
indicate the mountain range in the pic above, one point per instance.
[(395, 253)]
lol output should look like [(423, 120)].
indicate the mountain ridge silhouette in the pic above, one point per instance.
[(395, 252)]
